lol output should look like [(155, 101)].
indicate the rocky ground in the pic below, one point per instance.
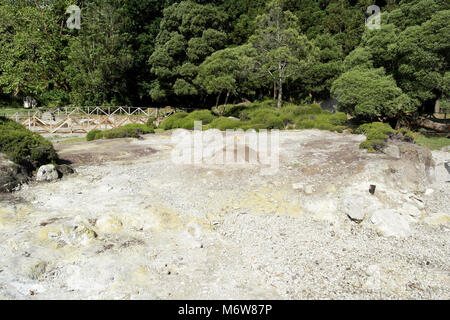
[(133, 225)]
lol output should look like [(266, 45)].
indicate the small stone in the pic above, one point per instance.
[(47, 173), (309, 189), (298, 186), (429, 192)]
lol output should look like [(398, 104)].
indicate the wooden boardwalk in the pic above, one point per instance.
[(84, 119)]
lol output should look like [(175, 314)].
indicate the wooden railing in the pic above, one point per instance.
[(69, 120)]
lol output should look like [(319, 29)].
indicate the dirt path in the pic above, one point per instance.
[(132, 225)]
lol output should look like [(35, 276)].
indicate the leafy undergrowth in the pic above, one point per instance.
[(378, 133), (25, 147), (260, 115), (127, 131)]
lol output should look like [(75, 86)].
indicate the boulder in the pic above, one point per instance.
[(64, 170), (390, 223), (78, 232), (11, 175), (353, 207), (47, 173), (392, 150), (414, 167)]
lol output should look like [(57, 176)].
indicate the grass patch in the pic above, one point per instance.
[(432, 143), (25, 147), (71, 140)]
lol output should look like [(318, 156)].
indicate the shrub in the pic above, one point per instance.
[(377, 133), (25, 147), (202, 115), (338, 118), (127, 131), (172, 122), (223, 123), (93, 135), (150, 123)]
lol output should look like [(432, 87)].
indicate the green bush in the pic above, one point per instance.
[(173, 121), (150, 123), (377, 133), (223, 123), (25, 147), (338, 118), (262, 115), (202, 115), (127, 131), (93, 135)]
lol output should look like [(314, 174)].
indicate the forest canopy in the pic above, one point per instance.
[(200, 53)]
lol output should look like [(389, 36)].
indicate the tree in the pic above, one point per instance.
[(282, 53), (318, 78), (371, 94), (189, 32), (142, 20), (31, 49), (228, 70), (414, 47), (99, 56)]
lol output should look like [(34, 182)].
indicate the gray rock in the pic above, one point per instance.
[(392, 150), (47, 173), (65, 170), (353, 207), (11, 175), (390, 223)]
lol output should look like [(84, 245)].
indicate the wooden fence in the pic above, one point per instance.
[(84, 119)]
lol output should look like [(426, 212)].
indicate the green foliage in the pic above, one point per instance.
[(229, 70), (412, 46), (377, 133), (370, 93), (94, 135), (127, 131), (189, 33), (282, 53), (25, 147), (223, 124), (150, 123), (174, 121), (100, 56), (261, 115)]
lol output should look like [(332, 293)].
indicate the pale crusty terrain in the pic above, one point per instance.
[(132, 225)]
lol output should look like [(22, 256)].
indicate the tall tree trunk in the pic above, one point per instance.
[(280, 92), (226, 98), (437, 106), (274, 90), (217, 100)]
